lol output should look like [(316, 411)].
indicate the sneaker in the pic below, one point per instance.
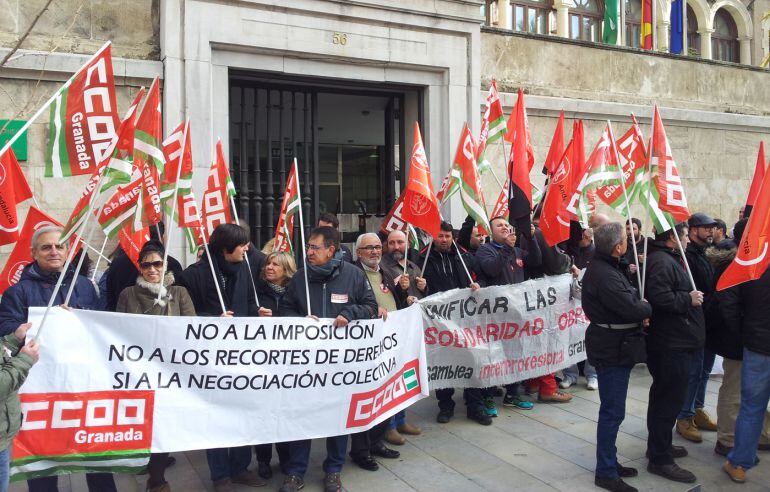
[(249, 479), (687, 429), (489, 407), (672, 472), (480, 416), (722, 449), (409, 429), (292, 483), (703, 421), (592, 384), (332, 482), (444, 416), (566, 382), (393, 437), (516, 402), (557, 397), (736, 473), (613, 484)]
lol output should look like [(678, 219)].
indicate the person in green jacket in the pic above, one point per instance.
[(17, 360)]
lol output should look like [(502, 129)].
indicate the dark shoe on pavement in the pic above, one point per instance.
[(444, 416), (292, 483), (672, 472), (249, 479), (676, 452), (332, 482), (366, 462), (763, 447), (722, 449), (736, 473), (381, 450), (480, 416), (613, 484), (626, 471), (224, 485)]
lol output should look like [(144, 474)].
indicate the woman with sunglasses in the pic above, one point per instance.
[(278, 270), (141, 299)]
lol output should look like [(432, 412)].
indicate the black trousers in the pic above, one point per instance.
[(362, 442), (472, 396), (97, 482), (670, 370), (265, 452)]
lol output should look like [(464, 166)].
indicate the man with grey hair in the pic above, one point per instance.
[(614, 343), (34, 289)]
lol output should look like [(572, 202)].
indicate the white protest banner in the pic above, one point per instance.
[(503, 334), (111, 387)]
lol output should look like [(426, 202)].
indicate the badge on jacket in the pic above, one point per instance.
[(339, 298), (520, 262), (384, 288)]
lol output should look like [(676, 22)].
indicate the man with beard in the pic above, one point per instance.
[(444, 271), (693, 418), (413, 286)]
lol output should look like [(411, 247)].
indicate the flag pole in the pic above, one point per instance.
[(37, 114), (179, 163), (211, 265), (684, 258), (427, 254), (302, 235), (99, 259), (459, 255), (246, 256), (628, 205), (406, 250)]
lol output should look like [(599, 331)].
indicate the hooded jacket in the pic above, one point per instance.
[(675, 323), (35, 289), (723, 313), (235, 286), (343, 291), (444, 271), (141, 299)]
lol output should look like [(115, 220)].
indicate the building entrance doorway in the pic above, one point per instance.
[(349, 141)]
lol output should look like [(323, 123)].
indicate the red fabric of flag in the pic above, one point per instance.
[(667, 181), (756, 181), (14, 189), (420, 203), (21, 255)]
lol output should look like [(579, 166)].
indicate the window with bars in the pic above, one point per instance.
[(724, 39), (585, 20)]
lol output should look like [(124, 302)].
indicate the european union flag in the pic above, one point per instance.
[(677, 27)]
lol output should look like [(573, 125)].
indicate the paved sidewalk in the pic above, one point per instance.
[(551, 447)]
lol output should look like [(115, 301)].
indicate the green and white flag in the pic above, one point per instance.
[(493, 127), (610, 30)]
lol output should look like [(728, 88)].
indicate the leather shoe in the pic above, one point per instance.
[(676, 452), (384, 452), (613, 484), (626, 471), (736, 473), (480, 416), (409, 430), (672, 472), (687, 429), (366, 462), (703, 420), (444, 416), (555, 398), (393, 437), (722, 449)]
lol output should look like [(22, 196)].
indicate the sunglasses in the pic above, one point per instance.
[(147, 264)]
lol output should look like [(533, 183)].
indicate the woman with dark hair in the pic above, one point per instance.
[(141, 299)]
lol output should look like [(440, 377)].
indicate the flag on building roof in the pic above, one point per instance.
[(610, 28), (646, 32)]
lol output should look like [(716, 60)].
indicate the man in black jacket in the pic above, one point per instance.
[(444, 271), (616, 315), (327, 219), (227, 245), (754, 302), (340, 291), (675, 334), (692, 417)]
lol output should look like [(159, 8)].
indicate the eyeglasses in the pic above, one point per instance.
[(371, 247), (147, 264), (315, 247)]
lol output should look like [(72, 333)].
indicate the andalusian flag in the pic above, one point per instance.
[(219, 189), (149, 157), (610, 31), (83, 119), (493, 127), (470, 182), (601, 168), (633, 159), (284, 231)]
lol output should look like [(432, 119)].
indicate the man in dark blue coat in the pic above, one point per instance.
[(35, 290)]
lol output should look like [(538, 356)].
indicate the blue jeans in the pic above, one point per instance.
[(700, 370), (572, 372), (5, 463), (755, 395), (613, 388), (397, 419), (228, 462), (299, 455)]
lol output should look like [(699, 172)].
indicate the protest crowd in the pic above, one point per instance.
[(655, 300)]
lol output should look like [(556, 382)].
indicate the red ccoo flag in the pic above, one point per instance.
[(756, 181), (21, 256), (420, 203), (752, 257), (556, 150), (668, 182), (519, 165), (216, 198), (554, 220), (14, 189)]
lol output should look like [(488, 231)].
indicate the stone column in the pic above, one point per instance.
[(503, 14), (705, 43), (562, 17), (745, 49), (663, 34)]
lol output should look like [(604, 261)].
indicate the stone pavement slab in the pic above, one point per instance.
[(549, 448)]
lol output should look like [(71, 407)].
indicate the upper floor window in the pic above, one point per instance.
[(530, 15), (724, 40), (693, 38), (585, 20), (633, 23)]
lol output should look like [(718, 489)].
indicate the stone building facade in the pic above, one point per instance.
[(338, 84)]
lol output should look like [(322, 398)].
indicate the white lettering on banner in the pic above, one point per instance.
[(504, 334)]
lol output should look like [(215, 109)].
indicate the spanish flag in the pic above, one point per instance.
[(646, 33)]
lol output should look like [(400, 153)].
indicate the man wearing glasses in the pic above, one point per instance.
[(337, 290)]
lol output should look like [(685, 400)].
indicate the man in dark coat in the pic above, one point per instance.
[(444, 271), (617, 314), (675, 334), (340, 291), (330, 220), (692, 417), (35, 289), (227, 245)]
